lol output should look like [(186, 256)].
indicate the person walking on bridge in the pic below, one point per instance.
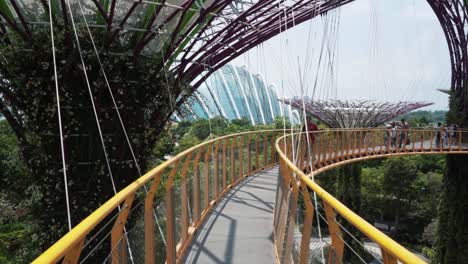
[(309, 128), (403, 133), (393, 134)]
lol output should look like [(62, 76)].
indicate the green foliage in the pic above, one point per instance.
[(143, 93), (180, 129), (18, 244), (403, 191), (452, 230), (200, 129), (424, 117), (398, 177), (13, 177), (164, 145), (280, 123), (430, 253), (188, 140), (243, 122)]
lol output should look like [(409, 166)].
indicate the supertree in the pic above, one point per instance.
[(352, 114)]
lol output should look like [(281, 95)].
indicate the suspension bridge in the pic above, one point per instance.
[(235, 199), (245, 197)]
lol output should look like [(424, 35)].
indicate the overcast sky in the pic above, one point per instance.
[(385, 50)]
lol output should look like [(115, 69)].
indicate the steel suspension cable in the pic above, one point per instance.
[(95, 114), (137, 166), (57, 94)]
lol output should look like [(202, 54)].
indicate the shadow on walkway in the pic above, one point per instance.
[(239, 229)]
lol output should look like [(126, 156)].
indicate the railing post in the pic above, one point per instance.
[(224, 163), (249, 156), (459, 139), (171, 250), (184, 197), (360, 142), (257, 161), (196, 188), (282, 213), (117, 243), (291, 219), (265, 150), (335, 254), (387, 258), (423, 133), (233, 161), (307, 226), (241, 157), (354, 135), (149, 221), (273, 151), (216, 169), (206, 166), (73, 256)]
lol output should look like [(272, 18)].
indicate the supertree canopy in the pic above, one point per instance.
[(358, 113)]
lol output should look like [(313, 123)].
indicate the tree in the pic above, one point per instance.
[(145, 94), (201, 129), (243, 122), (17, 241), (398, 177)]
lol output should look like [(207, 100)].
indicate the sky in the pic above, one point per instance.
[(382, 50)]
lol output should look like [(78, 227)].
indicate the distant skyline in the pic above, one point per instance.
[(386, 50)]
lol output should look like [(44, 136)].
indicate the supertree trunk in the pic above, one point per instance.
[(452, 233), (143, 97)]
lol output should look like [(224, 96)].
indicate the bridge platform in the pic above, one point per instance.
[(239, 229)]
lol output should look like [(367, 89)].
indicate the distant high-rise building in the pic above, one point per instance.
[(234, 92)]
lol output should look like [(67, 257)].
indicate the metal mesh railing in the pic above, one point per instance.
[(312, 226), (154, 219)]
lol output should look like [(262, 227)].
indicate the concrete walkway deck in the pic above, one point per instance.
[(239, 230)]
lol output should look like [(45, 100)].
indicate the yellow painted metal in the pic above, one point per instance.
[(391, 247), (307, 226), (241, 157), (171, 252), (149, 221), (73, 255), (249, 159), (196, 186), (232, 160), (291, 218), (224, 142), (184, 198), (257, 156), (387, 258), (68, 246), (265, 149), (206, 165), (335, 255), (62, 247), (118, 244), (216, 168)]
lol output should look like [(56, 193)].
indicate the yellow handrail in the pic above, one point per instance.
[(334, 147), (79, 232), (386, 243)]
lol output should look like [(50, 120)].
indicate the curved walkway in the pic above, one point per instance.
[(239, 230)]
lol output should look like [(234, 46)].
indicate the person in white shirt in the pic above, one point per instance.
[(393, 134)]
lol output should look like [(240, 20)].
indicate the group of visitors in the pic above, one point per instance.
[(397, 131), (445, 134)]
